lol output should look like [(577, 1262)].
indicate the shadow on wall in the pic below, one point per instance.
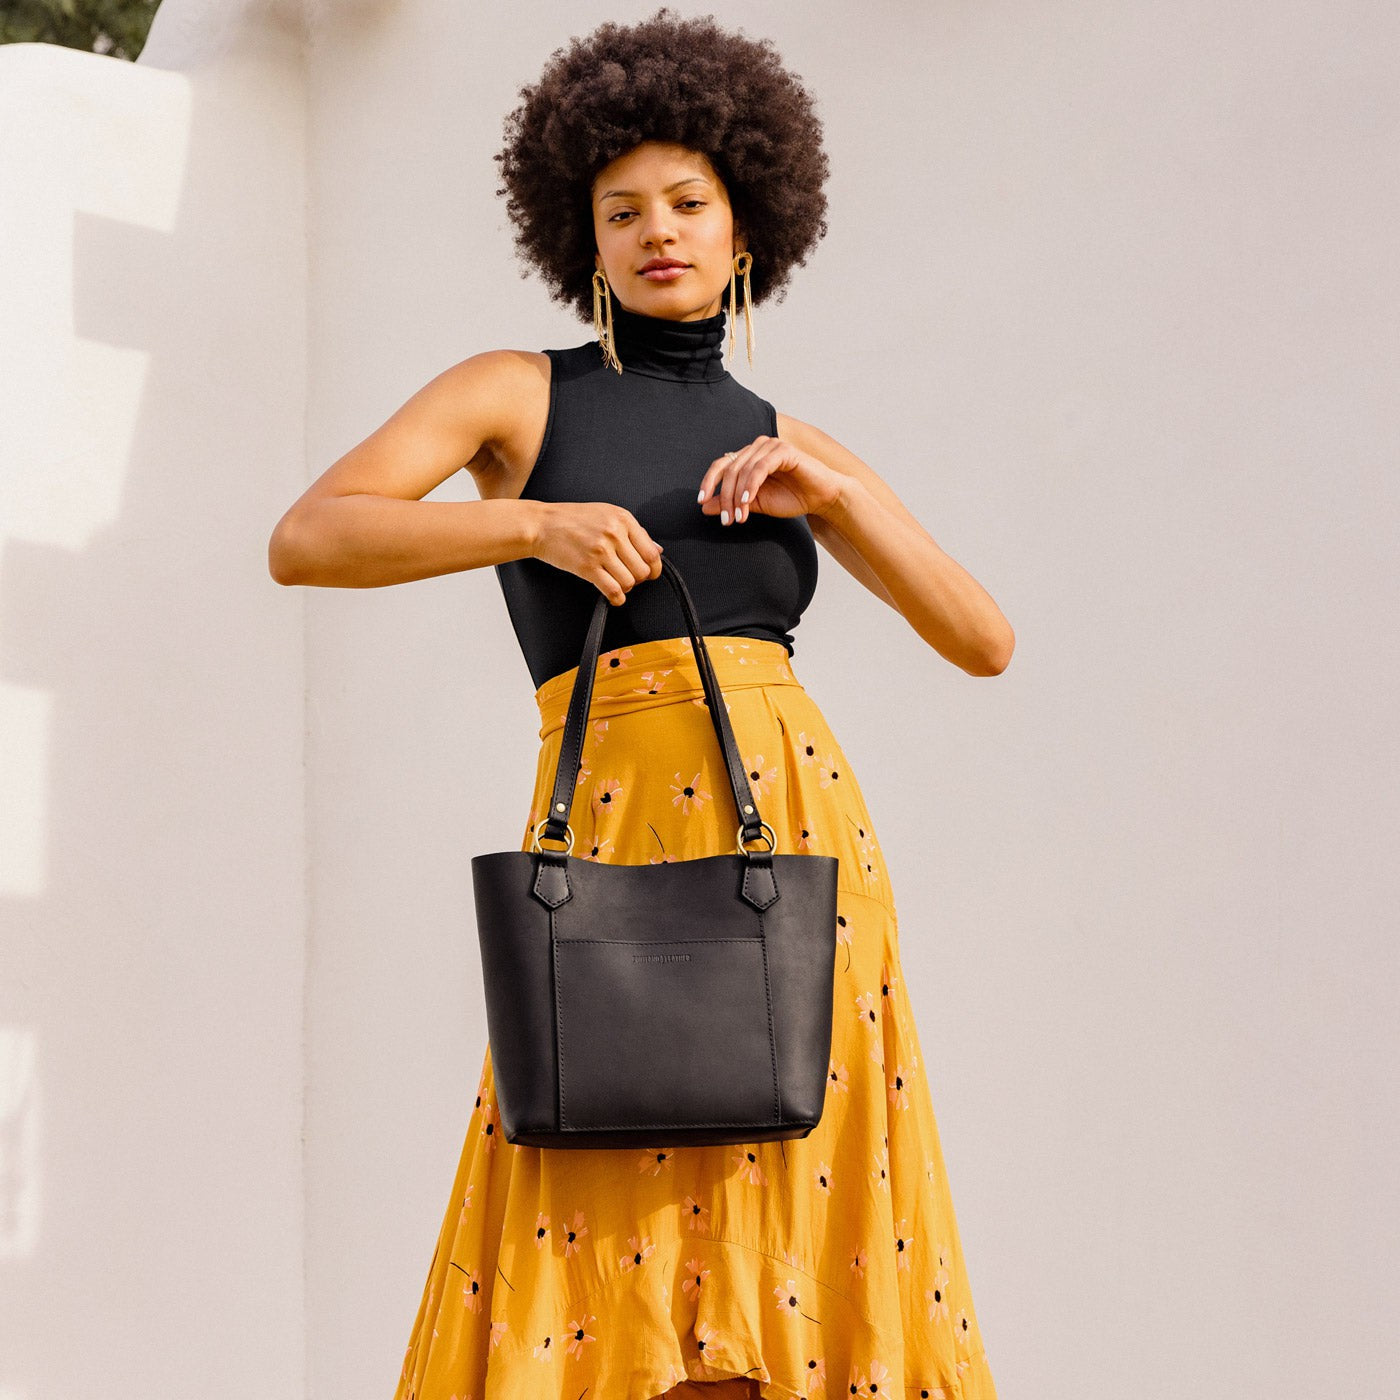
[(152, 914)]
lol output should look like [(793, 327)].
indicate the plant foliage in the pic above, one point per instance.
[(115, 27)]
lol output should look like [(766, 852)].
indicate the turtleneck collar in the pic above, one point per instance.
[(667, 349)]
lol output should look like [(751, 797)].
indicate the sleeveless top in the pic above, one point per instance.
[(643, 439)]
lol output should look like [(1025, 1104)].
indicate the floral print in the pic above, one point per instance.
[(822, 1266)]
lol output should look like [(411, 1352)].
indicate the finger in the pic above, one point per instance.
[(747, 480), (711, 497), (615, 576), (710, 480), (636, 558), (648, 548), (726, 488), (748, 476)]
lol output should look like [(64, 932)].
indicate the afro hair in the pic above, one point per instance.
[(663, 79)]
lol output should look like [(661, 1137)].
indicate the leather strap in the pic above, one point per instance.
[(580, 701)]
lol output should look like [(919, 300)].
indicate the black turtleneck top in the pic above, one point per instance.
[(643, 439)]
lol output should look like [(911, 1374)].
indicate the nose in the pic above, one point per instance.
[(656, 228)]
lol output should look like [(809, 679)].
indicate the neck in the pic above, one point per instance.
[(670, 349)]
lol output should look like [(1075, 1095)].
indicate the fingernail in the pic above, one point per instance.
[(701, 498), (744, 497), (724, 517)]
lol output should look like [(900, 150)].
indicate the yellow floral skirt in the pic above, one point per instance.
[(821, 1266)]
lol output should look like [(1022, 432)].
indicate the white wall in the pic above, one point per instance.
[(152, 850), (1109, 298)]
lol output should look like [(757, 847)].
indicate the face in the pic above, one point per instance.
[(661, 200)]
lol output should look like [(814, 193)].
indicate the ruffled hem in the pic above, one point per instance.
[(800, 1338)]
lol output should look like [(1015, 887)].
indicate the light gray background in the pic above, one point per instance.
[(1109, 298)]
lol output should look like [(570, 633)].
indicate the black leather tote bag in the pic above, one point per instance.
[(681, 1004)]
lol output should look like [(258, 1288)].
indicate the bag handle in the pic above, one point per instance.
[(751, 825)]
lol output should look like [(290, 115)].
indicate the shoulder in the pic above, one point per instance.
[(500, 385), (500, 369), (499, 399), (488, 386)]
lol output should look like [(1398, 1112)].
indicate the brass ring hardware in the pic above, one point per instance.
[(568, 836), (763, 826)]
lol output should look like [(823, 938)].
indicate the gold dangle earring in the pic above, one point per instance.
[(742, 263), (605, 336)]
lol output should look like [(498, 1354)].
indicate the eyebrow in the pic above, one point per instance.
[(632, 194)]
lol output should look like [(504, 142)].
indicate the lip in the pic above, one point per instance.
[(664, 274)]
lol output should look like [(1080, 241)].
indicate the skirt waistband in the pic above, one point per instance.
[(664, 672)]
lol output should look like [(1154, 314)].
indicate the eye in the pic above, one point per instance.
[(622, 213)]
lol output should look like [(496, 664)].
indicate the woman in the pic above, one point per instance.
[(654, 172)]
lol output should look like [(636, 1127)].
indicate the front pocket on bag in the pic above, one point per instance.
[(664, 1033)]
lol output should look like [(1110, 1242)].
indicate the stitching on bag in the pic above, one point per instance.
[(558, 1012), (563, 868), (760, 906), (772, 1032)]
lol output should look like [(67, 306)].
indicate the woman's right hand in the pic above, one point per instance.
[(600, 542)]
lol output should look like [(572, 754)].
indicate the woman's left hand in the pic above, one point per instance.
[(780, 479)]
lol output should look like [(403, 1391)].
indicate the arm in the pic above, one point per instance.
[(871, 533), (363, 522)]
